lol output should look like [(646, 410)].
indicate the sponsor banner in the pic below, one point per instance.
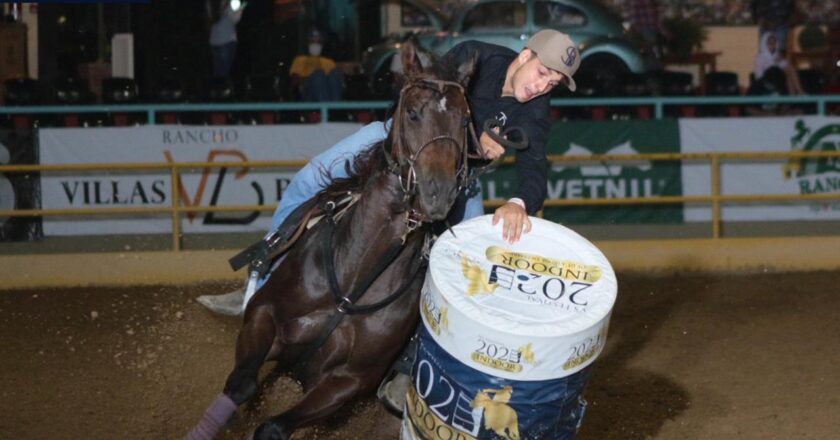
[(575, 180), (200, 187), (18, 190), (801, 176)]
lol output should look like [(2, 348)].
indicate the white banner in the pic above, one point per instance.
[(200, 187), (807, 133)]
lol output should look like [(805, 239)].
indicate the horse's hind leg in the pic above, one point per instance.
[(324, 398), (252, 346)]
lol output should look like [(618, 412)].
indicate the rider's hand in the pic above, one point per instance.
[(515, 221), (492, 149)]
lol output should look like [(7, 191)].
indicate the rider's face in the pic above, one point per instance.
[(532, 79)]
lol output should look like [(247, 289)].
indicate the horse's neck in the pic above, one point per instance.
[(381, 209), (371, 234)]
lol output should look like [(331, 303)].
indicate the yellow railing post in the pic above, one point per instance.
[(176, 224), (715, 195)]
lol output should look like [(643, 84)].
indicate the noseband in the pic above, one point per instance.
[(402, 164)]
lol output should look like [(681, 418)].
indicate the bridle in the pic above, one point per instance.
[(401, 163)]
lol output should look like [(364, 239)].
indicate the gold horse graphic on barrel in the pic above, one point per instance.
[(498, 415)]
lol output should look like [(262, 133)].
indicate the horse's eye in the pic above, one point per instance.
[(466, 121), (413, 115)]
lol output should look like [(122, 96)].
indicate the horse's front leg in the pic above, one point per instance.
[(252, 346), (331, 392)]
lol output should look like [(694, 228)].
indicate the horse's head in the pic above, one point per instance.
[(429, 137)]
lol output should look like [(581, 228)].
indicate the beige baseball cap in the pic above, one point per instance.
[(556, 51)]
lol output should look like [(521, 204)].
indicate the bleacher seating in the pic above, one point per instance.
[(813, 81), (121, 91), (673, 83), (20, 92), (270, 88), (168, 90), (260, 88), (71, 90), (634, 85), (722, 84), (219, 90)]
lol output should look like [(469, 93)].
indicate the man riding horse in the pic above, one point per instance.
[(509, 88)]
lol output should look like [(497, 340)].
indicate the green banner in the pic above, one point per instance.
[(613, 180)]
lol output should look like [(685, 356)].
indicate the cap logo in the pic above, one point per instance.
[(571, 56)]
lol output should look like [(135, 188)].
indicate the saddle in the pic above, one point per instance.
[(263, 253)]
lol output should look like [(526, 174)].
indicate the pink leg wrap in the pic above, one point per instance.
[(214, 419)]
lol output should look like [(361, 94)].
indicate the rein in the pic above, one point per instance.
[(346, 303), (490, 127)]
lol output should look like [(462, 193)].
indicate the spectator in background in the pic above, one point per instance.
[(223, 36), (772, 75), (315, 76), (644, 19), (774, 16), (769, 61)]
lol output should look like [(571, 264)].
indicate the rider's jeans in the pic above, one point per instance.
[(330, 164)]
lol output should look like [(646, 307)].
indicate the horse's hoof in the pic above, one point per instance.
[(271, 431)]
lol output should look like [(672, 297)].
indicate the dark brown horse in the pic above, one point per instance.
[(314, 314)]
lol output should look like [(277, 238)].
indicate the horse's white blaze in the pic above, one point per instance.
[(442, 104)]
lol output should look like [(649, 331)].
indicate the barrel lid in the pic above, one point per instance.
[(552, 282)]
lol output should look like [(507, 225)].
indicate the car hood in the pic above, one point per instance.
[(438, 16)]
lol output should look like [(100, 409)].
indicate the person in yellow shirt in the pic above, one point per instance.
[(315, 76)]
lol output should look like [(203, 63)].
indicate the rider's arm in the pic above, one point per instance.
[(531, 165), (320, 171)]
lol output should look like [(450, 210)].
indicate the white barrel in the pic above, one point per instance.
[(506, 329)]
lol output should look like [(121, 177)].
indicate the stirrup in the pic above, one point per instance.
[(394, 400), (392, 392)]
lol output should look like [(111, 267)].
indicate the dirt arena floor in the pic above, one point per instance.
[(688, 357)]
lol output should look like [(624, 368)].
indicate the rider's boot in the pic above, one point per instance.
[(393, 389), (226, 304)]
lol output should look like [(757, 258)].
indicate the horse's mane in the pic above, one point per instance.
[(372, 159), (364, 165)]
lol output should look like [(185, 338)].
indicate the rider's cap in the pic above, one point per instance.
[(556, 51)]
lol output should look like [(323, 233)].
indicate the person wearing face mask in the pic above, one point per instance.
[(508, 87), (315, 76)]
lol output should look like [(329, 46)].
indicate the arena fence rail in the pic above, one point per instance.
[(175, 209), (822, 103), (178, 266)]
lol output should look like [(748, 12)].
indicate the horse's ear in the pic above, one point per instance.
[(409, 59), (466, 70)]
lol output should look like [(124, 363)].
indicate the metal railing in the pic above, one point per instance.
[(175, 208), (658, 103)]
